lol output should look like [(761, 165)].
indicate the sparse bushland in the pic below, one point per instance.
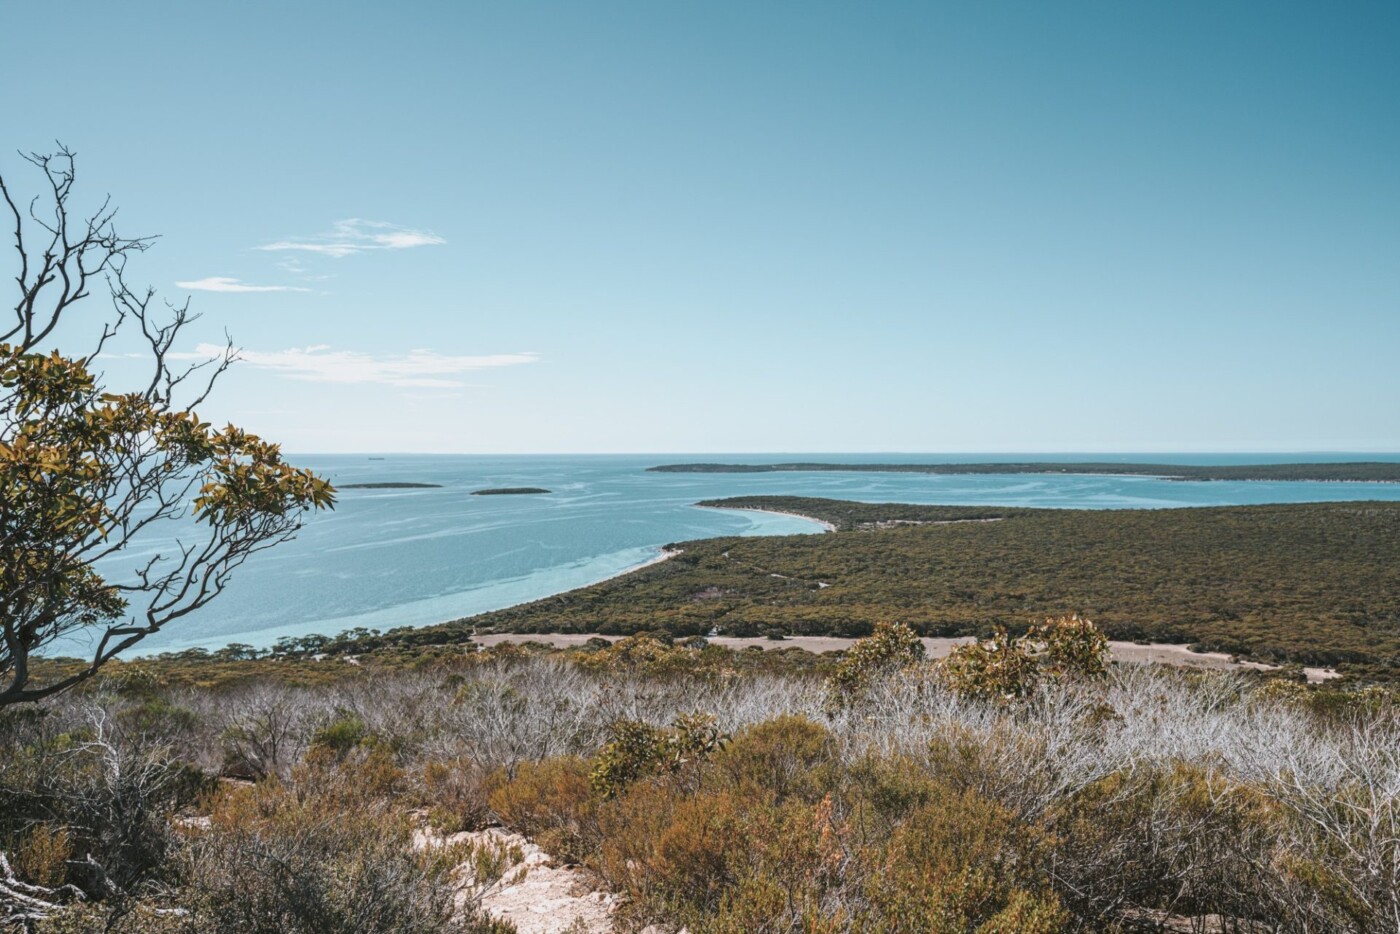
[(725, 801), (1306, 583)]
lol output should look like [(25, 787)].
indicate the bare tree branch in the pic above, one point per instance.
[(86, 472)]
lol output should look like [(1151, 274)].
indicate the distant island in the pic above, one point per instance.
[(1355, 471), (510, 491), (388, 486)]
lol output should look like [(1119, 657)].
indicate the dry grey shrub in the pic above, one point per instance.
[(74, 776), (511, 713), (265, 728)]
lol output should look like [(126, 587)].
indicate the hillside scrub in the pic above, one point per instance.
[(723, 801)]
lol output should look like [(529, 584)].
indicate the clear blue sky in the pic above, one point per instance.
[(745, 226)]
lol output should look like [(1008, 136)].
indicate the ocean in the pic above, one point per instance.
[(387, 558)]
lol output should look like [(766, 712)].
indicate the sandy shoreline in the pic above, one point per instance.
[(665, 555), (668, 553), (830, 527)]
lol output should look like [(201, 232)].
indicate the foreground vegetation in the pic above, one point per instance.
[(1018, 788), (1315, 583), (1354, 471)]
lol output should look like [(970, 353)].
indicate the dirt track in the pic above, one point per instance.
[(1156, 653)]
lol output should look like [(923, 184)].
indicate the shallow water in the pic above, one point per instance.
[(388, 558)]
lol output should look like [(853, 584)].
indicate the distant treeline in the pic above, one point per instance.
[(845, 514), (1313, 583), (388, 486), (1369, 471), (510, 491)]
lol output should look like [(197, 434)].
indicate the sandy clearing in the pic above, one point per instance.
[(1159, 653), (536, 895)]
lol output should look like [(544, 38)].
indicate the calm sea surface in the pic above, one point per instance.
[(388, 558)]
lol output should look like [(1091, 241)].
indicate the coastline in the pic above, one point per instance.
[(514, 591), (1053, 469), (826, 526), (665, 555)]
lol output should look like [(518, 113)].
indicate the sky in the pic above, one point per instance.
[(527, 227)]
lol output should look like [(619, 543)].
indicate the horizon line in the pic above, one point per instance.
[(1395, 452)]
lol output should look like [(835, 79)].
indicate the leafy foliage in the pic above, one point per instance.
[(889, 648), (635, 750), (1008, 667), (85, 471)]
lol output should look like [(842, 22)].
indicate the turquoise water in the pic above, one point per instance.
[(388, 558)]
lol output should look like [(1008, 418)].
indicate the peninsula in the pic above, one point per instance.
[(1353, 471), (1303, 583)]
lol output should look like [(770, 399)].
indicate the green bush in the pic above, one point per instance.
[(891, 647), (635, 750), (346, 732), (1004, 667)]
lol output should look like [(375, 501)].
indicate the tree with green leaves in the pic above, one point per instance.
[(1005, 667), (87, 472), (890, 648)]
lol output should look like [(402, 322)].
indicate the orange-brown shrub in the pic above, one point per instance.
[(788, 755), (550, 802), (454, 793), (42, 855), (962, 862), (328, 851)]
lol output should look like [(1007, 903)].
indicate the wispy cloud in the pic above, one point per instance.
[(322, 364), (226, 284), (357, 235)]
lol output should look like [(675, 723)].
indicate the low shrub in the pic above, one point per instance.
[(551, 802), (635, 750), (455, 794), (327, 854), (346, 732), (1004, 667), (963, 863), (889, 648), (781, 757)]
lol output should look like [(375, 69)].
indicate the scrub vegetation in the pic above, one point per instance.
[(1313, 583), (1022, 785)]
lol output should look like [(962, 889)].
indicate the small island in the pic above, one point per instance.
[(510, 491), (389, 486)]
